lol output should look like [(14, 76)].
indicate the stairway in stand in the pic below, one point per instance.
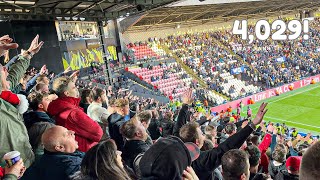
[(301, 57), (235, 55), (190, 71)]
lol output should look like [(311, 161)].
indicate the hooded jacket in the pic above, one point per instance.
[(115, 121), (274, 170), (166, 159), (34, 116), (13, 133), (67, 113), (132, 149)]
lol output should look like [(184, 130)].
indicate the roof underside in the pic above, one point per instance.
[(90, 10), (216, 13)]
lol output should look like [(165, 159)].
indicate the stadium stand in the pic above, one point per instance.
[(158, 120), (170, 79)]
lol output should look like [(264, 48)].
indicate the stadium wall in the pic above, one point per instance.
[(23, 33), (267, 94)]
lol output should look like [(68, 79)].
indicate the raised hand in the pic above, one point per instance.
[(244, 123), (270, 128), (43, 69), (261, 112), (6, 39), (263, 128), (35, 45), (67, 70), (189, 174), (74, 75), (187, 97), (275, 131), (299, 137), (6, 44)]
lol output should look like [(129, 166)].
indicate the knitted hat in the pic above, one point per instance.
[(293, 163), (167, 159)]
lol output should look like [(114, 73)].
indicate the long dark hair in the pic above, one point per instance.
[(86, 93), (100, 162)]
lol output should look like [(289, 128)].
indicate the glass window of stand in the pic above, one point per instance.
[(76, 30)]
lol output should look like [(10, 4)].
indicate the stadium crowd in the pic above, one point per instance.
[(277, 62), (111, 134), (262, 64)]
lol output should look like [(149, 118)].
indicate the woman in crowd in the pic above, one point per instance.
[(86, 99), (101, 162)]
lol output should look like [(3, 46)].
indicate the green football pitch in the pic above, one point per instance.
[(299, 108)]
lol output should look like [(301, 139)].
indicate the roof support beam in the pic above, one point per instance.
[(52, 8), (68, 10), (14, 5), (90, 7)]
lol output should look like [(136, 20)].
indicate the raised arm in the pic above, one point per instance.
[(184, 114), (209, 160), (18, 69)]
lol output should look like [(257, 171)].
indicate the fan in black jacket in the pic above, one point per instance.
[(210, 160)]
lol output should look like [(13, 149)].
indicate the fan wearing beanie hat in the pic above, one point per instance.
[(292, 169), (168, 159)]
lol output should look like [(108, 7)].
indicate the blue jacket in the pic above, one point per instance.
[(34, 116), (54, 165)]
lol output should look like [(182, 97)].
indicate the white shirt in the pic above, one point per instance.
[(97, 112)]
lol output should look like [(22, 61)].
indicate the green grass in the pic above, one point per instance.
[(299, 108)]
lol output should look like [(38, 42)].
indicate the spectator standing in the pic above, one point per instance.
[(15, 136), (67, 113)]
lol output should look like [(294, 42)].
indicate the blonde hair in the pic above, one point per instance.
[(60, 85), (121, 103), (279, 153), (40, 78)]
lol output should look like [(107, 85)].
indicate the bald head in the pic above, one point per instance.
[(310, 165), (59, 139)]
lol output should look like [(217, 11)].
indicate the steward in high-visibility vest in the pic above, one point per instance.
[(284, 130), (279, 128), (294, 133), (232, 119)]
